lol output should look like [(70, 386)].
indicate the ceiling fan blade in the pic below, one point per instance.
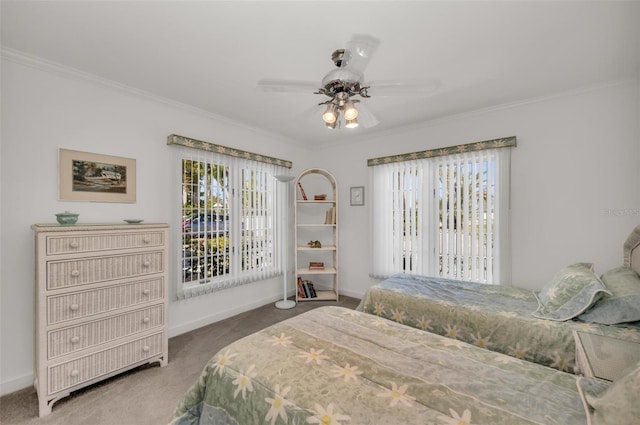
[(358, 52), (414, 88), (366, 118), (274, 85)]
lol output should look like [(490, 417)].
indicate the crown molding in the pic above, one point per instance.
[(41, 64), (393, 132), (75, 74)]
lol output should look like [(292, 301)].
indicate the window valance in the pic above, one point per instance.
[(188, 142), (469, 147)]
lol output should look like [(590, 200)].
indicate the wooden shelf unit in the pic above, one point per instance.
[(317, 220)]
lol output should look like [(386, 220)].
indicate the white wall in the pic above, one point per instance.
[(44, 111), (575, 166), (575, 180)]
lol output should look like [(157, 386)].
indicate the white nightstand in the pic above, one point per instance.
[(603, 357)]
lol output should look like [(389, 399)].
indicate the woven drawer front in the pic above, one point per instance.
[(74, 372), (86, 303), (61, 274), (68, 340), (102, 242)]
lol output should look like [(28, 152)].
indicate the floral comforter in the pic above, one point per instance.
[(489, 316), (342, 367)]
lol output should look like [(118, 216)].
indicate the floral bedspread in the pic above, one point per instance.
[(342, 367), (490, 316)]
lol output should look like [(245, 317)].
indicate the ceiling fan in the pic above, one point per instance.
[(347, 81)]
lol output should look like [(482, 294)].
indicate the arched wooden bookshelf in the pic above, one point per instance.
[(316, 235)]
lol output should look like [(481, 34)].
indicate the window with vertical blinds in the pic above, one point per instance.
[(444, 216), (229, 228)]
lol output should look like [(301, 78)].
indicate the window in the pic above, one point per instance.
[(444, 216), (229, 228)]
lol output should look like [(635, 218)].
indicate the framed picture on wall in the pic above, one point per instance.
[(93, 177), (357, 195)]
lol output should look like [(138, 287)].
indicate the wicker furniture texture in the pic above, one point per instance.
[(101, 304)]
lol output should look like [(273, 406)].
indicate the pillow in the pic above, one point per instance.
[(570, 292), (623, 305), (617, 404)]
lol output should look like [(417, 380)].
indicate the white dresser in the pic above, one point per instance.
[(100, 304)]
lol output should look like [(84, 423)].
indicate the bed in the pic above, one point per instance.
[(333, 365), (512, 320)]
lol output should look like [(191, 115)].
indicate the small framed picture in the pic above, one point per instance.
[(357, 195), (95, 177)]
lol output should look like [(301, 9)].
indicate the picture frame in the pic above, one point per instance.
[(93, 177), (357, 195)]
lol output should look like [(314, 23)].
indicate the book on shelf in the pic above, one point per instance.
[(309, 287), (330, 216), (304, 195), (316, 265), (300, 288), (305, 289)]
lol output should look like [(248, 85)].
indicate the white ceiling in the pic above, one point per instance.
[(210, 54)]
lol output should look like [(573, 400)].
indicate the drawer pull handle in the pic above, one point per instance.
[(146, 240), (74, 245), (146, 348), (75, 273), (146, 291), (146, 320), (75, 373), (75, 339), (146, 264), (74, 307)]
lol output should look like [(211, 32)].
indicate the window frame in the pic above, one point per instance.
[(407, 221), (238, 273)]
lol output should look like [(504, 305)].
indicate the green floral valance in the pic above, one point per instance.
[(175, 139), (451, 150)]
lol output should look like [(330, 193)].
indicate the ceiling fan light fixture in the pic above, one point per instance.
[(346, 81), (330, 116), (351, 123), (350, 111)]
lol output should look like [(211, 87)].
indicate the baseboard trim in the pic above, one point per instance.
[(356, 295), (16, 384), (188, 327)]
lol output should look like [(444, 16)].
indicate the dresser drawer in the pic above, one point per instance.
[(83, 271), (95, 301), (69, 340), (68, 244), (74, 372), (100, 303)]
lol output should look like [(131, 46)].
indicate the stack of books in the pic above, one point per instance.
[(316, 265), (305, 289)]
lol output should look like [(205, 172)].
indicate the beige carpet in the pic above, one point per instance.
[(149, 394)]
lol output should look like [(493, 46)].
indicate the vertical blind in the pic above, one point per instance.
[(234, 235), (444, 216)]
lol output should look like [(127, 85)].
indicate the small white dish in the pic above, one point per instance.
[(133, 220)]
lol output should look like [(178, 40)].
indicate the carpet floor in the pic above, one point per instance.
[(149, 394)]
